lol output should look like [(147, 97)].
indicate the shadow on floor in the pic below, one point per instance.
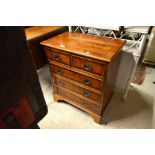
[(44, 75), (135, 103)]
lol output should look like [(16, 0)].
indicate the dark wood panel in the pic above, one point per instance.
[(77, 77), (38, 54), (88, 65)]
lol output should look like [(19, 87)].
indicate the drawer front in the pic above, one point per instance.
[(88, 65), (84, 92), (76, 99), (77, 77), (58, 56)]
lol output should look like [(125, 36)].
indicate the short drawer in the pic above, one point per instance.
[(88, 65), (85, 80), (76, 99), (84, 92), (58, 56)]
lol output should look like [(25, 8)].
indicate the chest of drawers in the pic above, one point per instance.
[(83, 70)]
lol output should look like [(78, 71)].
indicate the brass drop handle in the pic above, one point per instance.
[(57, 58), (86, 94), (86, 81), (87, 67), (88, 105), (82, 102), (63, 93), (59, 71), (85, 104), (62, 83)]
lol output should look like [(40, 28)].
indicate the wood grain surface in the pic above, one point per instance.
[(37, 31), (101, 48)]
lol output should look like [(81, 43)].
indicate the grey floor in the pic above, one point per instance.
[(137, 111)]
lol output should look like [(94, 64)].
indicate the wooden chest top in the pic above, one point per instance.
[(101, 48), (37, 31)]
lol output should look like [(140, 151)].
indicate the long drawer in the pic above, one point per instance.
[(85, 80), (76, 99), (84, 92)]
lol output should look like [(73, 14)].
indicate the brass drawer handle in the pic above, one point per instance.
[(86, 81), (61, 83), (63, 93), (88, 105), (87, 67), (85, 104), (86, 94), (57, 58), (59, 71), (82, 102)]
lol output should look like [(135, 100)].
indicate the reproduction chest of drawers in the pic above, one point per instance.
[(83, 69)]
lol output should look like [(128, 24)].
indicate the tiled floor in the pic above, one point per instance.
[(137, 111)]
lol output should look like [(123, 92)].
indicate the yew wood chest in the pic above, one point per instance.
[(83, 69)]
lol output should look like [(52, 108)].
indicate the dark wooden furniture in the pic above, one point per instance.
[(36, 34), (83, 69)]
